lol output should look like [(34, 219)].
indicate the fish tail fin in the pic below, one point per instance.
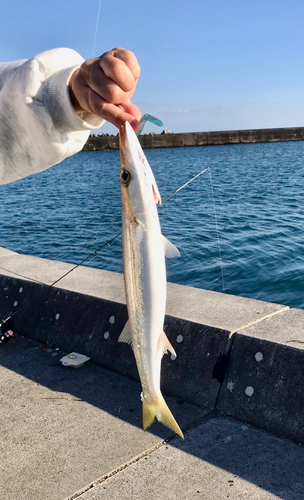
[(160, 410)]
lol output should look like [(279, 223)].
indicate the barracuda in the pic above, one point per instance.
[(144, 250)]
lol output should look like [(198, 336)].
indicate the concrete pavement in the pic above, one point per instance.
[(76, 433), (219, 459), (62, 428)]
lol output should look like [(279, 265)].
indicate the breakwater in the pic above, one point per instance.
[(235, 355), (169, 140)]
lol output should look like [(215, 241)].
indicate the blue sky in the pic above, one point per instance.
[(205, 65)]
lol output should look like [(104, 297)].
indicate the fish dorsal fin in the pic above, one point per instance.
[(165, 345), (126, 335), (170, 250)]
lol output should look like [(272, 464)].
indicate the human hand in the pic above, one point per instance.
[(104, 86)]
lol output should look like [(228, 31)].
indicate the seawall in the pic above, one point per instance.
[(238, 356), (169, 140)]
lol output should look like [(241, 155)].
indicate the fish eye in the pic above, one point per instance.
[(125, 177)]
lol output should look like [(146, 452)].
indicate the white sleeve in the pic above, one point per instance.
[(38, 125)]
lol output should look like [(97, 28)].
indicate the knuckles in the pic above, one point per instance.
[(114, 94), (104, 81)]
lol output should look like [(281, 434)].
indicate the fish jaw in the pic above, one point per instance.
[(133, 159)]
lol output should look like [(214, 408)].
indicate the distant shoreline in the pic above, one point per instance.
[(169, 140)]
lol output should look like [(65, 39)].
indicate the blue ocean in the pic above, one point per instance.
[(239, 226)]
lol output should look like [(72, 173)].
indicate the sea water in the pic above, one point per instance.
[(239, 226)]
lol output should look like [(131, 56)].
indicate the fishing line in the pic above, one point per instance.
[(184, 185), (93, 254), (215, 216), (96, 29), (217, 232)]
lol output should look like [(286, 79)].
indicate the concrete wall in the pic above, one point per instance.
[(96, 143), (239, 356)]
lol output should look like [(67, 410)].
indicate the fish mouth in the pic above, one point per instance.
[(156, 194), (122, 144), (122, 135)]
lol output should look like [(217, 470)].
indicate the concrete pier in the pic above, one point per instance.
[(76, 433), (169, 140)]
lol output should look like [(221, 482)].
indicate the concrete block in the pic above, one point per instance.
[(69, 320), (219, 310), (215, 309), (4, 252), (32, 268), (91, 326), (96, 283), (264, 384), (201, 139), (191, 374), (86, 312), (220, 459), (284, 328)]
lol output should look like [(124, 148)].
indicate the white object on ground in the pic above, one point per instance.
[(74, 359)]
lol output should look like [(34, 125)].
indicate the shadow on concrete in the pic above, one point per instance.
[(219, 459), (106, 390), (264, 460), (272, 464)]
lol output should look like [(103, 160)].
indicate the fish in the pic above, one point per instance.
[(144, 250)]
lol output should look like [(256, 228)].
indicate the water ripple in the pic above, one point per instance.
[(68, 211)]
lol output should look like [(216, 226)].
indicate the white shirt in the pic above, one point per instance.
[(38, 124)]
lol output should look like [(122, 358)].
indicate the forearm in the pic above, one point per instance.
[(39, 126)]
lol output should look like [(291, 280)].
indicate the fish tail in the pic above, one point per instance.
[(160, 410)]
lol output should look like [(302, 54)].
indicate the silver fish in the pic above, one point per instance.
[(144, 250)]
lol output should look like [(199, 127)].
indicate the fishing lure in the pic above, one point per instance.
[(148, 118)]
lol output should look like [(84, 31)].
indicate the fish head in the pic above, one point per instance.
[(138, 185)]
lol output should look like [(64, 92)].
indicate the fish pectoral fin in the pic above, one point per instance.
[(170, 250), (165, 345), (126, 335), (160, 410)]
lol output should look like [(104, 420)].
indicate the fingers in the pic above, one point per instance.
[(118, 116), (112, 75), (128, 58), (117, 72), (121, 66), (112, 91), (114, 114), (105, 85), (132, 109)]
